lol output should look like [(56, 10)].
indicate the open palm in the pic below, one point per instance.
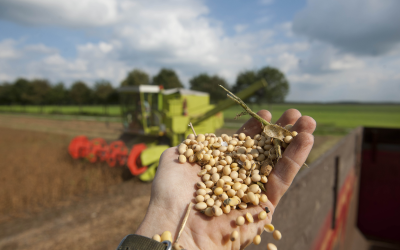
[(174, 187)]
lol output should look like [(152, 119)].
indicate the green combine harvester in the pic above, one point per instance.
[(155, 119)]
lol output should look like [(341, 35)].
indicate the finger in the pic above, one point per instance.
[(252, 126), (286, 169), (304, 124), (289, 117)]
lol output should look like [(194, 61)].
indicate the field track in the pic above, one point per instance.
[(49, 201)]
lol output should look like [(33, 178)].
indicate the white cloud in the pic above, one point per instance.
[(146, 34), (179, 34), (7, 50)]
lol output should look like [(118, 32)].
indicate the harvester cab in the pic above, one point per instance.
[(154, 119), (142, 110)]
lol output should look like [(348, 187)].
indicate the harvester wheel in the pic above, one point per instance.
[(134, 162)]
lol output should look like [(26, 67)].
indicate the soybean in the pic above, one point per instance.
[(240, 220), (257, 240)]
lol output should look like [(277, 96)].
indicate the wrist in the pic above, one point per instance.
[(159, 219)]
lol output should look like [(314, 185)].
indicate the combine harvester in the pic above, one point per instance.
[(155, 119)]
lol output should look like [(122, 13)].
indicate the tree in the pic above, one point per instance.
[(20, 91), (244, 80), (58, 94), (39, 92), (80, 94), (6, 93), (278, 86), (209, 84), (135, 78), (168, 78), (276, 90), (102, 92)]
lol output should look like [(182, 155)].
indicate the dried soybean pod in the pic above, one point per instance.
[(166, 236), (240, 220), (257, 240), (288, 126), (157, 237), (271, 246), (277, 235), (234, 235)]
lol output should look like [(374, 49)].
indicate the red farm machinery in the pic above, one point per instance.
[(153, 120)]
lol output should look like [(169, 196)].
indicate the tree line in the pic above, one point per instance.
[(42, 92)]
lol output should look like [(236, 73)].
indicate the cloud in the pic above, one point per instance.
[(71, 13), (240, 28), (179, 34), (143, 34), (363, 27)]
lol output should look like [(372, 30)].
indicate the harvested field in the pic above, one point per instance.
[(37, 172), (49, 201)]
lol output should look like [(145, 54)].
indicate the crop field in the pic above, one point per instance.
[(47, 198), (332, 119)]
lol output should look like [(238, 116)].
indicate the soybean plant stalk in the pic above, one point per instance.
[(245, 107)]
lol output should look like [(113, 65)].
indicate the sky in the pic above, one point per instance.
[(329, 50)]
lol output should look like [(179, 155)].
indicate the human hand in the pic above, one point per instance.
[(174, 187)]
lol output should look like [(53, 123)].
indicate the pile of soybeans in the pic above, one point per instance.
[(233, 172)]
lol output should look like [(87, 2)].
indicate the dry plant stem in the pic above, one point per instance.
[(184, 219), (245, 107), (190, 124)]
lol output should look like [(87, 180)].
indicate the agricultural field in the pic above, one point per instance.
[(46, 198), (332, 119)]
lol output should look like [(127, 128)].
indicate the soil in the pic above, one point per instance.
[(49, 201)]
